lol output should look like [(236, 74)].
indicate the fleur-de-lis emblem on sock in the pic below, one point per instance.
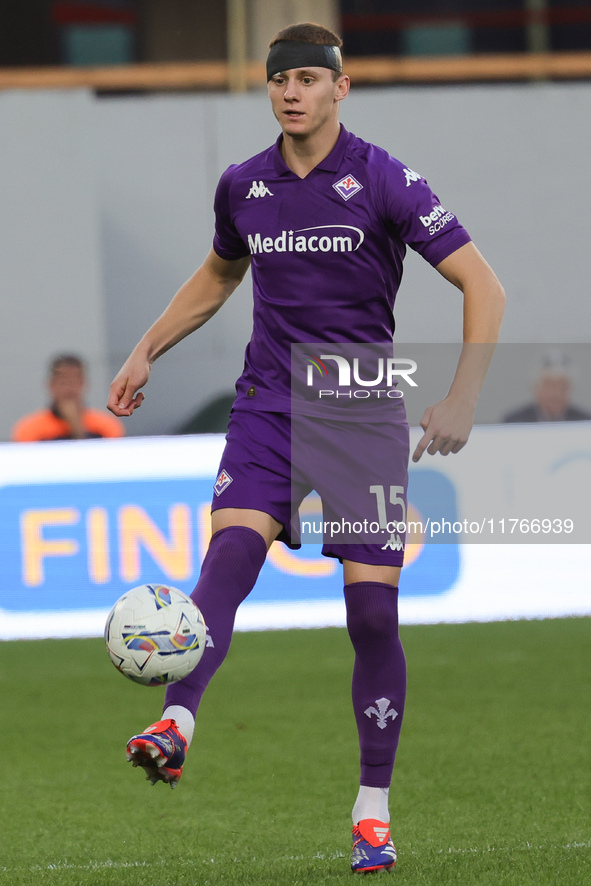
[(382, 711)]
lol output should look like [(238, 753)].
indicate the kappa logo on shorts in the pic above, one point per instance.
[(347, 186), (222, 482), (394, 543)]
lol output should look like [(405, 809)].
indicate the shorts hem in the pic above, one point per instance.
[(369, 558)]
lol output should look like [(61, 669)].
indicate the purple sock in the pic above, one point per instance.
[(228, 574), (379, 677)]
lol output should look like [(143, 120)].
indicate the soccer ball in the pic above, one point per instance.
[(155, 635)]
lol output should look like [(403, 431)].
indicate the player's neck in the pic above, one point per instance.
[(303, 154)]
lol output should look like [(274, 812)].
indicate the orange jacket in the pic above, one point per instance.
[(45, 425)]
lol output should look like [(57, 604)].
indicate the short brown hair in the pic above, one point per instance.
[(66, 360), (308, 32)]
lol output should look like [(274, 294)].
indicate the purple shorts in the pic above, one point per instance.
[(272, 461)]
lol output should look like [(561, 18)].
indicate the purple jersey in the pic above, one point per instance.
[(327, 251)]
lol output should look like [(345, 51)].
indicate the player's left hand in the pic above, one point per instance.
[(447, 426)]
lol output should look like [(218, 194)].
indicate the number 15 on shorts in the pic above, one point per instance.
[(395, 498)]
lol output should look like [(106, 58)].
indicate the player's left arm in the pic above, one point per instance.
[(447, 424)]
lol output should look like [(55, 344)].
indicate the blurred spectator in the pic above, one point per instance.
[(67, 417), (552, 393)]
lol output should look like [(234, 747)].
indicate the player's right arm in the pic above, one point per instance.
[(196, 301)]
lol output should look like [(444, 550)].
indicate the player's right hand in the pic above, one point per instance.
[(124, 392)]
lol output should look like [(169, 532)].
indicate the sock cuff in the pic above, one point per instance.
[(236, 554), (370, 584), (231, 538), (245, 531)]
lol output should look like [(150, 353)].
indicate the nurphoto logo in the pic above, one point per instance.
[(380, 380)]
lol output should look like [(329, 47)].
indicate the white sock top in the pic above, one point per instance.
[(371, 803)]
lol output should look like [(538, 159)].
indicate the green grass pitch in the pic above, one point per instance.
[(492, 783)]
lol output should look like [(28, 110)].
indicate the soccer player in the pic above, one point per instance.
[(323, 219)]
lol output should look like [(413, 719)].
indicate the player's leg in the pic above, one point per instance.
[(361, 473), (251, 505), (237, 550), (379, 672), (378, 691)]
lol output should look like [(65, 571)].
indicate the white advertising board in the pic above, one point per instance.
[(501, 530)]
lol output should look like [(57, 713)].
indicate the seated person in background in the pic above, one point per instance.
[(67, 418), (552, 392)]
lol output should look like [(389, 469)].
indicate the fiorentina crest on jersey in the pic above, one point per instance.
[(347, 186), (222, 482)]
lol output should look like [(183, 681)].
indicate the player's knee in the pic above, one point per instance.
[(374, 629), (235, 551), (373, 620)]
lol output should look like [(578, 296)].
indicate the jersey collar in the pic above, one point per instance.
[(331, 163)]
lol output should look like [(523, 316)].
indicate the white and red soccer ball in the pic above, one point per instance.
[(155, 635)]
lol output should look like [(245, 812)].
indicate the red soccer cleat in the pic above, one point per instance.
[(373, 849), (160, 751)]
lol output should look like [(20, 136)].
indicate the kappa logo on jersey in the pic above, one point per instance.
[(411, 176), (347, 186), (259, 189), (222, 482)]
